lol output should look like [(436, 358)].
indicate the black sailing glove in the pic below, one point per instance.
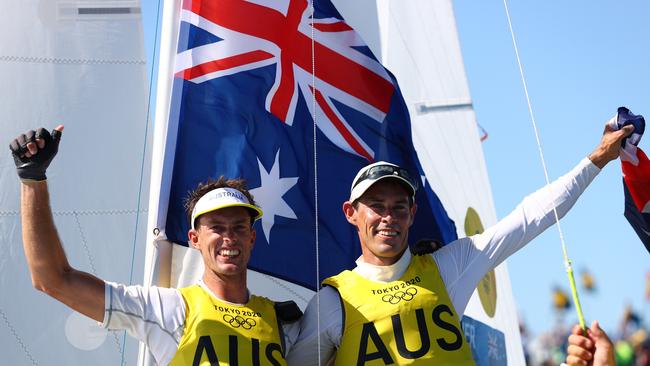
[(34, 167)]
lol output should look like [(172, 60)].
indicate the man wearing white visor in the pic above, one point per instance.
[(214, 322), (395, 308)]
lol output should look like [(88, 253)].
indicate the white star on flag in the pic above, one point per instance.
[(269, 196)]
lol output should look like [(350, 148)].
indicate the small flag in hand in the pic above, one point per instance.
[(636, 175)]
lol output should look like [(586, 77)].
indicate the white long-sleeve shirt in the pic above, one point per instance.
[(461, 263)]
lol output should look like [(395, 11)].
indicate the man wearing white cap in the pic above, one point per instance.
[(397, 308), (214, 322)]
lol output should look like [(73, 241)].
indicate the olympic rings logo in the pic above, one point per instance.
[(239, 321), (395, 298)]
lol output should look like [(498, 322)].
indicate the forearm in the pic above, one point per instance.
[(536, 213), (45, 256), (463, 263), (46, 259)]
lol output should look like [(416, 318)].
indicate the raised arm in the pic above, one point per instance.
[(462, 264), (46, 259)]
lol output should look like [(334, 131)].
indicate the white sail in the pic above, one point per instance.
[(81, 64), (419, 44)]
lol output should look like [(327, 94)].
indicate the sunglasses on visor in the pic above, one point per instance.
[(379, 171)]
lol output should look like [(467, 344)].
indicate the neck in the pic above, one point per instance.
[(228, 288), (371, 258), (381, 273)]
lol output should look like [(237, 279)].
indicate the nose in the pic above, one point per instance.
[(228, 234), (388, 215)]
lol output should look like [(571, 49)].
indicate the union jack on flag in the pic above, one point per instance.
[(279, 33), (249, 78)]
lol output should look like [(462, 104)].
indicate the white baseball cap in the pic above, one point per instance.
[(373, 173), (220, 198)]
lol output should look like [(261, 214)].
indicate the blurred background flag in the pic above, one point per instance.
[(560, 299), (588, 281)]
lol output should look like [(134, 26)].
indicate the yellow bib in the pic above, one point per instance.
[(410, 321), (218, 333)]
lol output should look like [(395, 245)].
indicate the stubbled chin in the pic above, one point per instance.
[(389, 240), (231, 267), (229, 259), (390, 245)]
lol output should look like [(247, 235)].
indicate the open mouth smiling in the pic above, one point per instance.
[(230, 253), (388, 232)]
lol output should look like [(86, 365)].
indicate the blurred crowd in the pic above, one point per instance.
[(631, 340)]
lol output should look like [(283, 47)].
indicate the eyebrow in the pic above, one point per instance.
[(217, 221), (374, 199)]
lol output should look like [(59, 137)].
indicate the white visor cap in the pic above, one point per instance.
[(220, 198), (373, 173)]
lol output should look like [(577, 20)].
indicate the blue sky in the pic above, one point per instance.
[(582, 59)]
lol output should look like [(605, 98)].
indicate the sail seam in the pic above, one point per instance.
[(116, 338), (69, 61), (82, 213), (98, 212), (277, 282), (84, 242), (17, 337), (85, 245)]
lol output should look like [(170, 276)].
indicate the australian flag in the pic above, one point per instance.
[(636, 175), (249, 79)]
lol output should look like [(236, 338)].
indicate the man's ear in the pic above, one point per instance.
[(254, 237), (193, 236), (414, 209), (349, 210)]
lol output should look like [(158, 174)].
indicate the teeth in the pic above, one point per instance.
[(388, 233), (230, 252)]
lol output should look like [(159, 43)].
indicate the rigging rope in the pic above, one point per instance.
[(567, 261), (142, 164), (313, 116)]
